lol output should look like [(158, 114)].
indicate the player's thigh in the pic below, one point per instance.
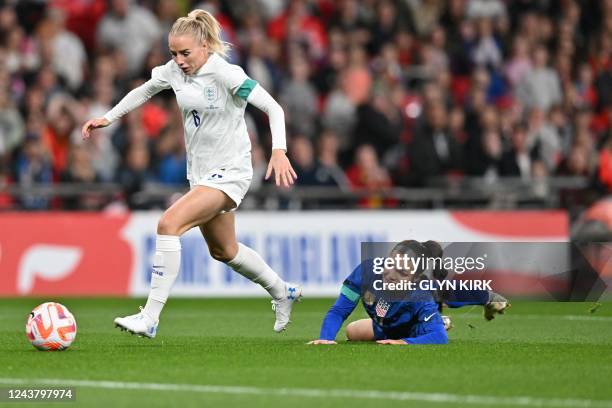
[(220, 236), (198, 206), (360, 330)]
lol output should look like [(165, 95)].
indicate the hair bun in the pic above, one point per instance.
[(198, 14), (434, 248)]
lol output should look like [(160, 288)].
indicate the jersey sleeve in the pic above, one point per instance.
[(344, 305), (160, 76), (351, 287), (236, 80), (433, 337), (137, 96), (336, 315)]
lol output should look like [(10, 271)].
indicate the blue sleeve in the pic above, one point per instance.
[(433, 337), (336, 315), (344, 306), (353, 281)]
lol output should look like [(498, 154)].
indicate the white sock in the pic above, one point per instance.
[(249, 264), (165, 270)]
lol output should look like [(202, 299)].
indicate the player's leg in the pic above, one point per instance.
[(220, 236), (493, 303), (198, 206), (497, 304), (360, 330)]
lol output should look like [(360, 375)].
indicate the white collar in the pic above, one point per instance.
[(204, 68)]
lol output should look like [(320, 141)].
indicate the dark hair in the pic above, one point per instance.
[(409, 247), (436, 251), (427, 249)]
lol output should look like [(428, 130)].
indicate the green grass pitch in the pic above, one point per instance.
[(554, 354)]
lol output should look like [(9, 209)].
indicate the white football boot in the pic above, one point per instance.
[(139, 323), (497, 305), (283, 306)]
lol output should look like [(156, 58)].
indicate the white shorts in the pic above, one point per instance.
[(234, 182)]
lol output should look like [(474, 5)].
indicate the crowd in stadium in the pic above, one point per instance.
[(375, 93)]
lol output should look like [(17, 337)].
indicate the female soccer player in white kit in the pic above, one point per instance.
[(212, 95)]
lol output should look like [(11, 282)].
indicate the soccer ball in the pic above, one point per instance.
[(51, 326)]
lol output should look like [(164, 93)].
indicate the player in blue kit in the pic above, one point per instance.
[(408, 317), (413, 318)]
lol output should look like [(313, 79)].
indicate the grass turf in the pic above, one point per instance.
[(534, 350)]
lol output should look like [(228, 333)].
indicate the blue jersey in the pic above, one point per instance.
[(414, 318)]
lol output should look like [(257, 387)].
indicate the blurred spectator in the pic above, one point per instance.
[(576, 163), (309, 170), (539, 132), (434, 151), (80, 170), (352, 89), (299, 99), (130, 28), (167, 11), (540, 87), (257, 62), (489, 162), (134, 172), (425, 14), (328, 158), (33, 165), (518, 161), (171, 159), (298, 25), (56, 136), (486, 9), (68, 56), (12, 129), (368, 174), (379, 123), (519, 63), (487, 49), (21, 51)]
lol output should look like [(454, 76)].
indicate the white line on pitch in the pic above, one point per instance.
[(320, 393)]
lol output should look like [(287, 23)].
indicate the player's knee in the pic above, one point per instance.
[(222, 254), (165, 226), (354, 332)]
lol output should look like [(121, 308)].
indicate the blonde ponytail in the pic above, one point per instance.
[(204, 27)]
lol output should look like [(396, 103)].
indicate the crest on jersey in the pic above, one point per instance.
[(211, 93), (382, 307)]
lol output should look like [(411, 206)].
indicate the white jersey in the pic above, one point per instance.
[(212, 103), (213, 115)]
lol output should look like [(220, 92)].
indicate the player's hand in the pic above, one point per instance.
[(283, 172), (321, 341), (400, 342), (93, 124)]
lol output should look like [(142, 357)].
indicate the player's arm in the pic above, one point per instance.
[(279, 163), (131, 101), (334, 318), (236, 80), (341, 309)]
